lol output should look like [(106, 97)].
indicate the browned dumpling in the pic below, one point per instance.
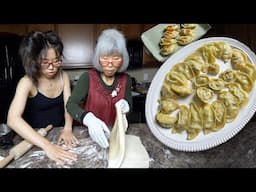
[(171, 34), (174, 27), (187, 31), (189, 26), (168, 49), (167, 41), (184, 39)]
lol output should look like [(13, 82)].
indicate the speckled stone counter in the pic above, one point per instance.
[(238, 152)]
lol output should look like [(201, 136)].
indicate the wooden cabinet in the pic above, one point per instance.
[(131, 31), (19, 29), (41, 27), (79, 43)]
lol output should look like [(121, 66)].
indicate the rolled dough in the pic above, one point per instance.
[(125, 151)]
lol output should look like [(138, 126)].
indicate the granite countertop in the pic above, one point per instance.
[(237, 152)]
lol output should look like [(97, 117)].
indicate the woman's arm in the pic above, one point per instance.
[(20, 126), (78, 95), (67, 135)]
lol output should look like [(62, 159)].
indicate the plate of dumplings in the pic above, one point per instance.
[(203, 95), (163, 40)]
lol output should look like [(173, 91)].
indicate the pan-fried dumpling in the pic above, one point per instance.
[(168, 49), (244, 80), (187, 31), (165, 120), (174, 27), (220, 114), (204, 94), (216, 84), (171, 34), (183, 119), (167, 41), (209, 120), (168, 105), (189, 26), (184, 39)]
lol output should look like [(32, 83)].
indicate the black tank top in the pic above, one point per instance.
[(41, 111)]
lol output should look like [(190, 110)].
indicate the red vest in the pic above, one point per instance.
[(100, 101)]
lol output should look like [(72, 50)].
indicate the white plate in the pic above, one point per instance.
[(152, 37), (201, 142)]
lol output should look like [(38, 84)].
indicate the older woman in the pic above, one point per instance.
[(100, 88)]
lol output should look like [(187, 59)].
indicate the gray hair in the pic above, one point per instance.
[(111, 41)]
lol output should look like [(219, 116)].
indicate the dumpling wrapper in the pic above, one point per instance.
[(125, 151)]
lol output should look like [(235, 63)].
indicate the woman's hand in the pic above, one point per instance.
[(68, 138), (60, 154)]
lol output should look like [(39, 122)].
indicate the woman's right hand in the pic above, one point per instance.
[(60, 154)]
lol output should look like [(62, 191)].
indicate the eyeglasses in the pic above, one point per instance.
[(55, 62), (113, 60)]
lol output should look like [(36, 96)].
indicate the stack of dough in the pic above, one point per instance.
[(125, 151)]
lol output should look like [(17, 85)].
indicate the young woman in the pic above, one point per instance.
[(41, 95), (100, 88)]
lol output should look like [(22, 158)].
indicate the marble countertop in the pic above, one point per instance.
[(237, 152)]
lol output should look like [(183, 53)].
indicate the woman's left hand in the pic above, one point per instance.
[(68, 138)]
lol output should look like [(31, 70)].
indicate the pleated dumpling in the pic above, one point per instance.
[(220, 114), (238, 57), (236, 90), (168, 105), (225, 51), (244, 80), (181, 90), (183, 119), (184, 69), (213, 69), (209, 119), (196, 123), (231, 103), (247, 68), (167, 92), (176, 78), (165, 120)]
